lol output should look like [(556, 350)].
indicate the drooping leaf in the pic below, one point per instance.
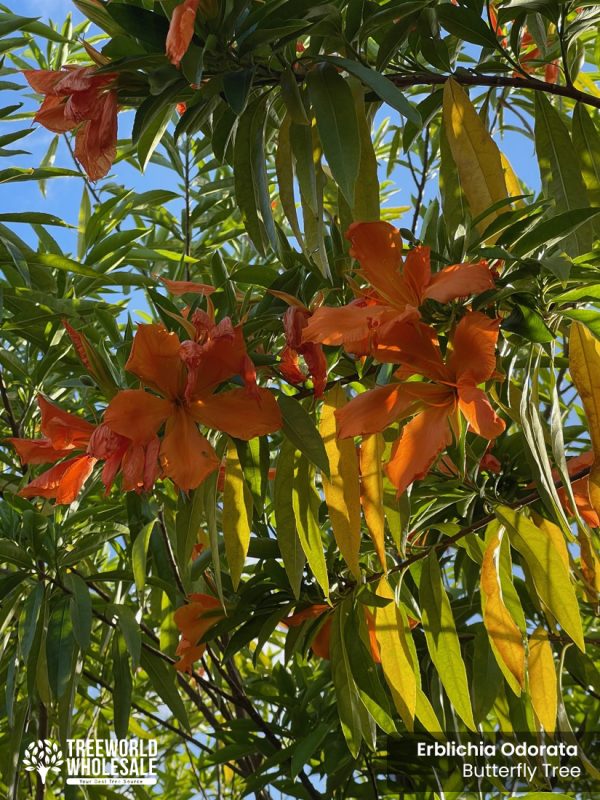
[(342, 489), (442, 639), (549, 572), (584, 365), (561, 176), (81, 609), (475, 153), (505, 637), (371, 482), (236, 517), (306, 502), (301, 431), (60, 648), (393, 632), (543, 685), (287, 533), (337, 124)]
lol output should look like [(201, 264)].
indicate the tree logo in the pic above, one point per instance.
[(42, 756)]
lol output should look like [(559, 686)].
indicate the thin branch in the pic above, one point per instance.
[(79, 169), (421, 182), (498, 81)]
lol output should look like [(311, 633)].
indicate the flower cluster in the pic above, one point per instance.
[(180, 382)]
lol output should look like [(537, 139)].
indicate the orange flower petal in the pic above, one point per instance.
[(312, 612), (320, 645), (185, 455), (137, 414), (460, 280), (96, 140), (418, 349), (188, 654), (417, 274), (352, 325), (474, 348), (373, 411), (37, 451), (222, 356), (64, 430), (419, 444), (178, 288), (63, 482), (477, 409), (51, 114), (181, 30), (155, 359), (582, 501), (239, 413), (377, 246)]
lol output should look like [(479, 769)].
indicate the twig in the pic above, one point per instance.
[(421, 182), (79, 169)]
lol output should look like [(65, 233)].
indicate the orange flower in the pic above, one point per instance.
[(186, 375), (399, 287), (80, 98), (181, 30), (194, 620), (178, 288), (580, 489), (64, 435), (295, 321), (320, 643), (453, 385)]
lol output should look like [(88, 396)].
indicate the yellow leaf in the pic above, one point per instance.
[(505, 637), (584, 363), (393, 632), (549, 569), (371, 459), (475, 153), (512, 182), (556, 536), (236, 521), (342, 490), (543, 684)]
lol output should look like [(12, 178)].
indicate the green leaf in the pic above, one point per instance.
[(305, 747), (139, 552), (162, 679), (14, 553), (292, 98), (285, 519), (466, 25), (586, 143), (33, 218), (366, 199), (561, 177), (442, 639), (306, 503), (354, 717), (527, 323), (549, 572), (29, 619), (60, 647), (130, 629), (81, 609), (300, 429), (552, 231), (236, 88), (333, 104), (149, 28), (382, 86), (122, 686)]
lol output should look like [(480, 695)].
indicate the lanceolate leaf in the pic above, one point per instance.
[(371, 482), (586, 144), (475, 153), (560, 172), (300, 429), (236, 517), (342, 490), (550, 574), (393, 633), (60, 648), (366, 198), (442, 639), (543, 685), (337, 124), (306, 502), (285, 519), (505, 638), (584, 364)]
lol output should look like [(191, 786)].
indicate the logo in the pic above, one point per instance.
[(116, 762), (42, 756)]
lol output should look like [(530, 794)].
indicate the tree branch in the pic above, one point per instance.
[(475, 79)]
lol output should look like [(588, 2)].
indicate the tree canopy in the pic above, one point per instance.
[(300, 391)]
